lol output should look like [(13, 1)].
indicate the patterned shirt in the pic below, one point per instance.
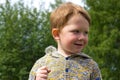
[(75, 67)]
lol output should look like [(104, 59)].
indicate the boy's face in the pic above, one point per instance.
[(74, 36)]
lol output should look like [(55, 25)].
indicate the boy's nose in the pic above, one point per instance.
[(81, 36)]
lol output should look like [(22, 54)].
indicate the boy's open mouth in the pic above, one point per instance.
[(77, 44)]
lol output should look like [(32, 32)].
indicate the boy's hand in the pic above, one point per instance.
[(42, 73)]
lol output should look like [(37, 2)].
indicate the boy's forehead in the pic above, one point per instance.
[(77, 19)]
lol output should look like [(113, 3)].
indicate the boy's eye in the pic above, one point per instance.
[(75, 31), (78, 31), (86, 33)]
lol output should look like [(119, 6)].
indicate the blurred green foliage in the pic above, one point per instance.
[(25, 33)]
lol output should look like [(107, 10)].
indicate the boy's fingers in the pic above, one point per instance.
[(40, 69), (43, 69), (48, 70), (41, 76)]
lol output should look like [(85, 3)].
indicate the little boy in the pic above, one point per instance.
[(70, 27)]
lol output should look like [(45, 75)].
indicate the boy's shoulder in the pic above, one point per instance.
[(87, 59), (42, 59), (48, 52), (83, 55)]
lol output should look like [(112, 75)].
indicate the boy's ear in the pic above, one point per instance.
[(55, 33)]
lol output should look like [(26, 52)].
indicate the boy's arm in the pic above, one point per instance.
[(32, 73), (96, 74), (31, 76)]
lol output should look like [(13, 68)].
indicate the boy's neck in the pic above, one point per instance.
[(63, 54), (67, 54)]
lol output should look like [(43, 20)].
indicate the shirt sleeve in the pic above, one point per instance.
[(96, 74), (32, 73)]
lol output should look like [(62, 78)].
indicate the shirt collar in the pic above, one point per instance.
[(53, 51)]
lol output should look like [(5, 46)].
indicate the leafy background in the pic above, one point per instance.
[(25, 33)]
